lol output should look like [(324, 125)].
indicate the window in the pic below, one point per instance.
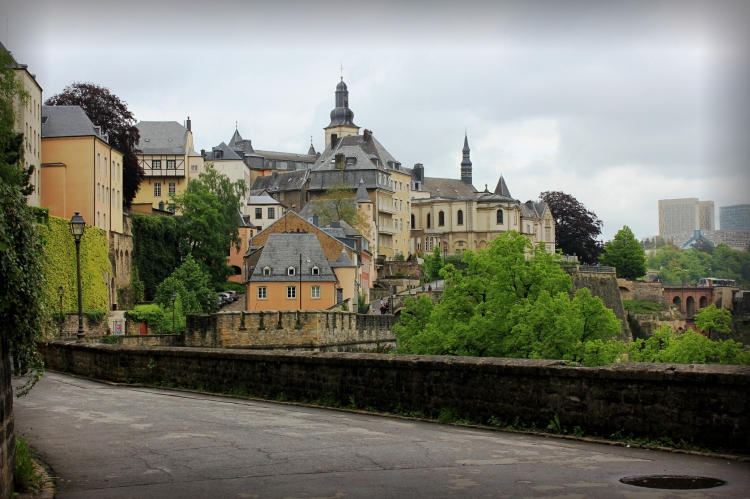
[(98, 191), (401, 224), (460, 243), (412, 222), (262, 295), (460, 217), (172, 187), (258, 212), (98, 161), (315, 292), (105, 166), (157, 189), (290, 271), (441, 219), (499, 217), (271, 213), (266, 270), (315, 271), (193, 168), (291, 291), (156, 164), (170, 164), (428, 220)]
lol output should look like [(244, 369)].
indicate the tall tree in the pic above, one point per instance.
[(576, 228), (339, 205), (106, 110), (626, 254)]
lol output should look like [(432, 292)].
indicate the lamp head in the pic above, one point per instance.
[(174, 296), (77, 226), (60, 291)]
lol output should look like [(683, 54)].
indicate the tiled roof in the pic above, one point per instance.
[(262, 199), (282, 251), (162, 137), (343, 261), (362, 196), (66, 121), (226, 153), (502, 188), (449, 188), (282, 181), (287, 156)]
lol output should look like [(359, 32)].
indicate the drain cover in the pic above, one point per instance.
[(673, 482)]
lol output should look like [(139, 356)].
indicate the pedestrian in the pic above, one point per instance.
[(429, 287), (383, 308), (387, 308), (422, 288)]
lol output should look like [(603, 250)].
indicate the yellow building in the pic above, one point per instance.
[(81, 171), (166, 154), (29, 123)]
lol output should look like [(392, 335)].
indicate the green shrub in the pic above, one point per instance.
[(151, 314), (94, 316), (229, 286), (642, 306), (25, 476)]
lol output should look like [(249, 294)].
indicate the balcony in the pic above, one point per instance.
[(387, 209), (387, 230)]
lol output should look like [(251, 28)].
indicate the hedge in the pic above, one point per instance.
[(155, 250)]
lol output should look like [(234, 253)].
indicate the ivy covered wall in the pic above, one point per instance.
[(60, 266), (155, 250)]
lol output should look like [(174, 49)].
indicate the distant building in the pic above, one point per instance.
[(683, 216), (29, 123), (165, 152), (262, 209), (735, 217), (735, 239)]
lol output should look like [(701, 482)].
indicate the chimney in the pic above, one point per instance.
[(367, 134), (203, 153), (335, 224), (188, 124), (419, 172), (340, 161), (334, 138), (315, 220)]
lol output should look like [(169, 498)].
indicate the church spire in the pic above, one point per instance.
[(466, 162), (311, 151)]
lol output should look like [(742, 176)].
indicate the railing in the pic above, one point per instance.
[(387, 230), (596, 268)]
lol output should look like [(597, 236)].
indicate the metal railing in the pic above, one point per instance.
[(596, 268)]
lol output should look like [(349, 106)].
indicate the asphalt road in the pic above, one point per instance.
[(123, 442)]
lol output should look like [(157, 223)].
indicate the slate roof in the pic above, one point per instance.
[(532, 209), (236, 137), (287, 156), (362, 196), (263, 199), (67, 121), (449, 188), (226, 153), (355, 146), (162, 137), (282, 181), (342, 261), (282, 251), (502, 188)]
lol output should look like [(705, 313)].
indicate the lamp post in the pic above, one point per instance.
[(61, 292), (174, 297), (77, 226)]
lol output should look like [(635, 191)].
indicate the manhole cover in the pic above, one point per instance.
[(673, 482)]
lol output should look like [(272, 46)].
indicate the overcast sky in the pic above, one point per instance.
[(617, 103)]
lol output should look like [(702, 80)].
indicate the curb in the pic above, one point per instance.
[(48, 487)]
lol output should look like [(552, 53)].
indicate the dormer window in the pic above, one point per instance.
[(315, 271), (266, 270), (290, 271)]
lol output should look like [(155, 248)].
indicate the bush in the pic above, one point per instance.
[(229, 286), (642, 306), (152, 314)]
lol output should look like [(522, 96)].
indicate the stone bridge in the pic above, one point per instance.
[(690, 299)]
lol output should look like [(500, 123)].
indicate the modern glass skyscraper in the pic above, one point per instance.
[(735, 217)]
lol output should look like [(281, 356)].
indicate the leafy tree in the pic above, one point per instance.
[(626, 254), (156, 252), (12, 94), (339, 205), (106, 110), (715, 319), (414, 319), (676, 266), (433, 264), (702, 245), (191, 282), (576, 228), (209, 223)]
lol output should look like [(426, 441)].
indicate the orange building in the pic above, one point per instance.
[(291, 272), (80, 170)]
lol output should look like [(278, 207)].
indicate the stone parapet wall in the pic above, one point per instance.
[(648, 291), (91, 328), (287, 329), (705, 405)]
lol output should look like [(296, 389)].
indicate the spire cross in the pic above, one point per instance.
[(342, 71), (310, 139), (235, 125)]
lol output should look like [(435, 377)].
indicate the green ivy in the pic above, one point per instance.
[(60, 266), (155, 250), (94, 316)]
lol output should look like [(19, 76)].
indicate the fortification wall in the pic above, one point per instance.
[(636, 290), (705, 405), (604, 285)]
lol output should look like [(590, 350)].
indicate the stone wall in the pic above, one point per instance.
[(605, 287), (70, 326), (7, 442), (391, 268), (289, 329), (648, 291), (705, 405)]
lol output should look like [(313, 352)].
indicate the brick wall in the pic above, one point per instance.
[(289, 329), (705, 405), (7, 442)]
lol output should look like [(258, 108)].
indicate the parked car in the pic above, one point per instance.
[(228, 298), (233, 294)]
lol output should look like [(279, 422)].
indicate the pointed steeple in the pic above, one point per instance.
[(466, 162), (235, 138), (362, 196), (502, 188), (311, 151)]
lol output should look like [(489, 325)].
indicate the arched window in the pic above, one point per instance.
[(460, 217), (499, 217), (413, 225), (290, 271), (315, 271), (441, 219), (266, 270), (428, 221)]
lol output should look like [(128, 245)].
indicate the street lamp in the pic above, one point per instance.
[(77, 226), (174, 297), (61, 292)]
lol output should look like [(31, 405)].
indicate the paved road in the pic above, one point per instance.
[(122, 442)]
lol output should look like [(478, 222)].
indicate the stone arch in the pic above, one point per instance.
[(482, 245), (703, 302), (428, 221), (237, 270), (459, 217), (441, 218), (678, 302), (690, 307)]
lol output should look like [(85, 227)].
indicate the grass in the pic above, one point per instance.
[(25, 476), (643, 306)]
